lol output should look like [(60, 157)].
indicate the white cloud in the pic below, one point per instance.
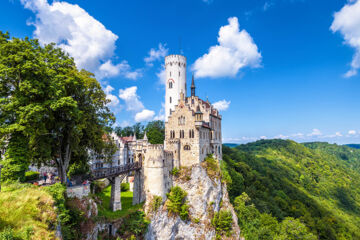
[(114, 100), (161, 115), (222, 105), (156, 54), (236, 50), (108, 69), (162, 75), (132, 100), (315, 132), (351, 132), (79, 34), (347, 22), (144, 115), (280, 136), (297, 135)]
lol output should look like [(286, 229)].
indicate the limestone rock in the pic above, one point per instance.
[(205, 196)]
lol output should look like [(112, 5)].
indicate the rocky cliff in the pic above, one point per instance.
[(206, 196)]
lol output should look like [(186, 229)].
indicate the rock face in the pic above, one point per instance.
[(205, 197)]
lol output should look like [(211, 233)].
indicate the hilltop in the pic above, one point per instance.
[(315, 183)]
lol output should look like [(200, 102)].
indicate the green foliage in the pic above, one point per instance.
[(134, 224), (70, 218), (31, 176), (184, 211), (293, 229), (8, 234), (222, 221), (125, 187), (212, 166), (196, 220), (155, 131), (26, 212), (175, 172), (316, 184), (156, 203), (78, 168), (50, 111), (176, 203), (17, 159)]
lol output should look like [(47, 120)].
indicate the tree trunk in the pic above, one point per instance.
[(64, 160)]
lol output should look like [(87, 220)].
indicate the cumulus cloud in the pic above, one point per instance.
[(79, 34), (162, 75), (347, 22), (114, 100), (222, 105), (236, 50), (144, 115), (351, 132), (132, 100), (315, 132), (156, 54)]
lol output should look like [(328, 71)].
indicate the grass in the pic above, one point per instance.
[(126, 203), (28, 211)]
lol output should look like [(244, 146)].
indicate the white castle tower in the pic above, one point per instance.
[(175, 69)]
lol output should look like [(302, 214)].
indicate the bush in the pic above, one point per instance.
[(8, 234), (31, 176), (222, 221), (212, 166), (156, 203), (176, 202), (125, 187), (175, 172), (134, 224)]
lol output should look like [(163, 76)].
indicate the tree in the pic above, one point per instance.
[(58, 110), (155, 132)]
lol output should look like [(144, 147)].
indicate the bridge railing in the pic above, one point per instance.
[(114, 171)]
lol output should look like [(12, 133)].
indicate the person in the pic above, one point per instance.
[(45, 177)]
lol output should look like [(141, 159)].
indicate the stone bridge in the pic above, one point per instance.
[(116, 175)]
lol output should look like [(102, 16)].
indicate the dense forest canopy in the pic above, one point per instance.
[(317, 184)]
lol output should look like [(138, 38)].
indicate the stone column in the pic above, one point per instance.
[(138, 188), (115, 201)]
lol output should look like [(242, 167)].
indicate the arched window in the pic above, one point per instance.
[(192, 133), (170, 99), (179, 73), (170, 72), (190, 136), (170, 84), (187, 148)]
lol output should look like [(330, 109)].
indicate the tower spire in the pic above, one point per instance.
[(193, 86)]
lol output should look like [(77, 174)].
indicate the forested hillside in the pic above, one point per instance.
[(317, 184)]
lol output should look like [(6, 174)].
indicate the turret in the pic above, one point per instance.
[(175, 71), (198, 118), (192, 86)]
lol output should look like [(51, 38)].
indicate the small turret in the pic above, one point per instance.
[(198, 117), (145, 137), (193, 86)]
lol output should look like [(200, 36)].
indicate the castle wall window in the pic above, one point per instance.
[(187, 148), (170, 84), (170, 74), (179, 73), (170, 99)]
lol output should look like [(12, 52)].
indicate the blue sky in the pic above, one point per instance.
[(275, 68)]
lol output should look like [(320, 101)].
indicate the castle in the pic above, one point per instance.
[(192, 131)]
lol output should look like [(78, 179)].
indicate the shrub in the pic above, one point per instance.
[(8, 234), (212, 166), (31, 176), (125, 187), (196, 220), (175, 172), (222, 221), (156, 203), (176, 202), (184, 212), (134, 224)]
